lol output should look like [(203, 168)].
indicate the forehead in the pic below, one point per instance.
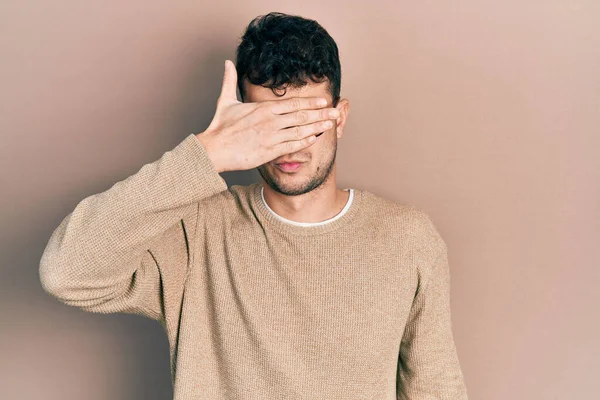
[(257, 93)]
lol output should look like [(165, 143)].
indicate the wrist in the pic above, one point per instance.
[(206, 142)]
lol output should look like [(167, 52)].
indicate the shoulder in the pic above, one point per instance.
[(232, 195), (227, 207), (408, 222)]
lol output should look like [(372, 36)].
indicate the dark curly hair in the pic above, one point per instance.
[(279, 50)]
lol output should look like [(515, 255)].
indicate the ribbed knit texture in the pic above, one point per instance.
[(255, 307)]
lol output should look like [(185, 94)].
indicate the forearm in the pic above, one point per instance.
[(97, 247)]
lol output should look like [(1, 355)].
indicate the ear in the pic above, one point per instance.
[(343, 106)]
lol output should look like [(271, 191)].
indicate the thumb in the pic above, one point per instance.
[(228, 90)]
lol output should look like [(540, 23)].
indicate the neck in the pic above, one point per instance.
[(318, 205)]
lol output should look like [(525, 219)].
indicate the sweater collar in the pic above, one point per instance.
[(270, 218)]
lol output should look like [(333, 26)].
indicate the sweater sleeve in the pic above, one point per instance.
[(100, 258), (428, 362)]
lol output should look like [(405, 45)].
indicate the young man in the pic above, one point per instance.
[(287, 289)]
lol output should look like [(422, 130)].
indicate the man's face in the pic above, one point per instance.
[(318, 159)]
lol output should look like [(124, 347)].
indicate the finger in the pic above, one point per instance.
[(303, 117), (295, 104), (299, 132), (228, 88), (293, 146)]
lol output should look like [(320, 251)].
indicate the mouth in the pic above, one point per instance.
[(289, 167)]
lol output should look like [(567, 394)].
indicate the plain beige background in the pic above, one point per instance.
[(485, 114)]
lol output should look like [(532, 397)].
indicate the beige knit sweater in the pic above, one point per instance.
[(255, 307)]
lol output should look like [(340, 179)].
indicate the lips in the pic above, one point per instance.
[(289, 166)]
